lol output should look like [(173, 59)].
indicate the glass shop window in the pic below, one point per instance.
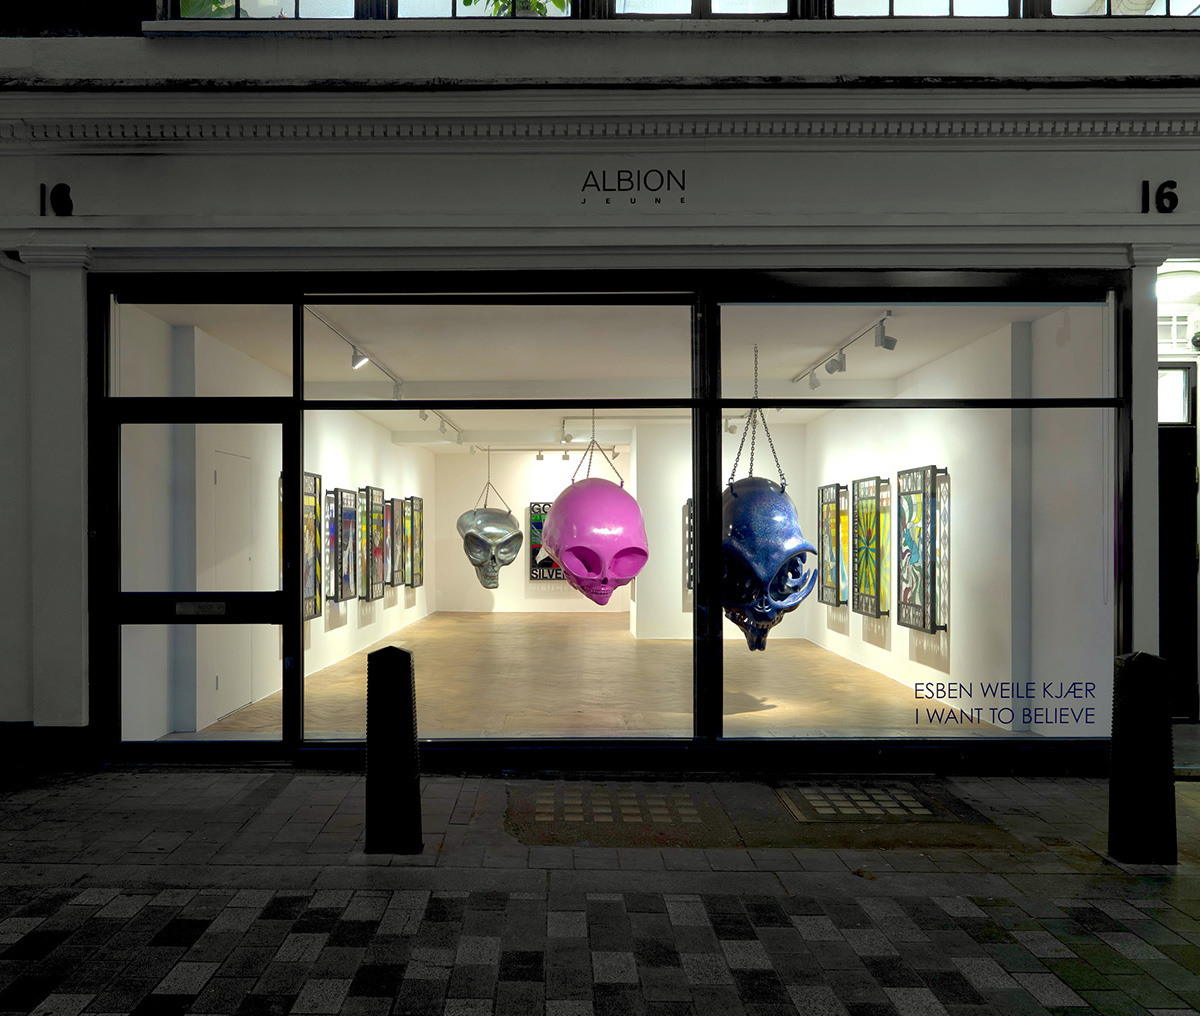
[(918, 351), (471, 350), (200, 349), (454, 551), (925, 573), (201, 507), (201, 682)]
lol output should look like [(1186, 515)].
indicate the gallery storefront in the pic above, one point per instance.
[(303, 348)]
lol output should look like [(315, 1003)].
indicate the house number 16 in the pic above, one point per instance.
[(1165, 198)]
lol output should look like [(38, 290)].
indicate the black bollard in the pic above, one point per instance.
[(1141, 782), (393, 821)]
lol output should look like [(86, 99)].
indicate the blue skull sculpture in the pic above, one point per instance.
[(764, 557)]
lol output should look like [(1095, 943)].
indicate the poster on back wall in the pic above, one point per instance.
[(542, 567), (418, 541)]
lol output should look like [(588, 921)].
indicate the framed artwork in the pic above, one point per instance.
[(689, 542), (829, 544), (370, 582), (867, 576), (917, 539), (361, 563), (406, 540), (341, 508), (542, 567), (941, 551), (418, 542), (311, 562), (844, 535), (395, 512), (387, 542)]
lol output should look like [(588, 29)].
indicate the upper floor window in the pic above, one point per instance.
[(680, 9)]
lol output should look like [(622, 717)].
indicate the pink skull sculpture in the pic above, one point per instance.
[(595, 531)]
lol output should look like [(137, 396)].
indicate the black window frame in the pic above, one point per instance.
[(704, 291)]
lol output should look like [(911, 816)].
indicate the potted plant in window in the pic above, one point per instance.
[(521, 8)]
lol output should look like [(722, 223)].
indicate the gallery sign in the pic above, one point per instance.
[(633, 185)]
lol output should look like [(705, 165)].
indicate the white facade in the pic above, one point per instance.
[(341, 159)]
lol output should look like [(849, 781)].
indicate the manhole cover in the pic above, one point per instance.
[(875, 801), (585, 813)]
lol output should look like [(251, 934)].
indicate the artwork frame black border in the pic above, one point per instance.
[(868, 606), (923, 617), (312, 605), (831, 598)]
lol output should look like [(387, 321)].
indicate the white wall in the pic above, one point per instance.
[(662, 480), (521, 480), (975, 445), (16, 679), (348, 450)]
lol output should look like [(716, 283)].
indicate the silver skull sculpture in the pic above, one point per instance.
[(491, 539)]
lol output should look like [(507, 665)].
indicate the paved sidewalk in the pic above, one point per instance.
[(169, 890)]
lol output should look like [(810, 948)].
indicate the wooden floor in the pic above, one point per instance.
[(546, 675)]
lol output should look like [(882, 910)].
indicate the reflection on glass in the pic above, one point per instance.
[(532, 657), (1023, 568), (653, 7), (749, 6), (200, 506), (201, 682), (201, 350), (1173, 396), (326, 8)]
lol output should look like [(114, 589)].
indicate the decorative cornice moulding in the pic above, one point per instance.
[(171, 133)]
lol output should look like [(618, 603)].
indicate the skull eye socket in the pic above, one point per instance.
[(627, 563), (582, 561), (789, 578), (738, 583), (478, 550), (506, 552)]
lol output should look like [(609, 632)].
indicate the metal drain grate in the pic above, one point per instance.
[(614, 803), (862, 802), (617, 813)]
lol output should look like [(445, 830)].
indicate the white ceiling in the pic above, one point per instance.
[(454, 351)]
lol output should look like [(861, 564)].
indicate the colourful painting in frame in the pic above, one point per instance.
[(916, 548), (829, 544), (885, 546), (844, 536), (387, 542), (331, 557), (406, 537), (396, 513), (418, 541), (542, 567), (865, 579), (370, 582), (311, 561), (941, 550), (343, 547)]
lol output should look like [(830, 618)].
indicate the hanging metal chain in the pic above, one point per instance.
[(591, 449), (754, 417), (483, 496)]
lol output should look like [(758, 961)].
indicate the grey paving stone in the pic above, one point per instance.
[(915, 1001), (985, 974), (186, 979), (614, 967), (321, 995)]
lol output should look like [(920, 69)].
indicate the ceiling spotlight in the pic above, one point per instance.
[(422, 415), (357, 357), (458, 437), (442, 427), (566, 438), (540, 456), (814, 382), (473, 449), (566, 457), (615, 453), (882, 338), (836, 364), (730, 427)]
